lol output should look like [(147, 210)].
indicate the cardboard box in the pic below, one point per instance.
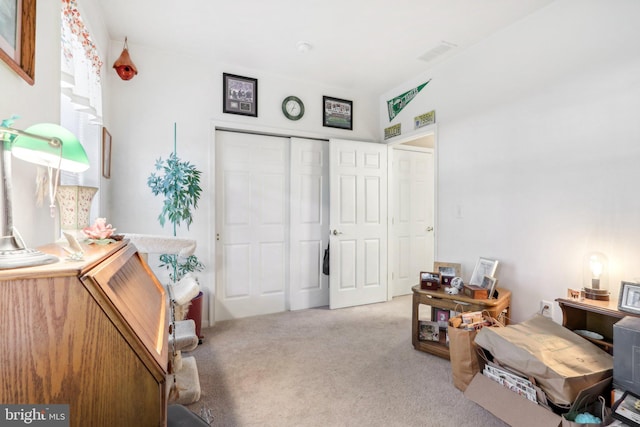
[(516, 410)]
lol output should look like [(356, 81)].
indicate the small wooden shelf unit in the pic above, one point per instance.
[(498, 308), (592, 315)]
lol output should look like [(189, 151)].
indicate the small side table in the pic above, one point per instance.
[(499, 308)]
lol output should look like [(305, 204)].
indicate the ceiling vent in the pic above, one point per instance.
[(437, 51)]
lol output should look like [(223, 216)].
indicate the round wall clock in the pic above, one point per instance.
[(293, 108)]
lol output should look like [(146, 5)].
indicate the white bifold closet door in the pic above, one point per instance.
[(272, 225), (309, 222), (252, 211)]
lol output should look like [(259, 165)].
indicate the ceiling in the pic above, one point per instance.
[(368, 45)]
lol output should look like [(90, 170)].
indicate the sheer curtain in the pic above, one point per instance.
[(81, 95)]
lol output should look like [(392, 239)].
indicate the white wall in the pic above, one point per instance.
[(538, 145), (34, 104), (171, 88)]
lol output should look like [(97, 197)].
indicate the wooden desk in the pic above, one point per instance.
[(443, 300), (91, 334), (592, 315)]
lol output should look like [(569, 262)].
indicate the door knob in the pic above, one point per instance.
[(336, 232), (429, 228)]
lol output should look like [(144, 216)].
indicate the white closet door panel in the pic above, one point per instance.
[(309, 218), (252, 225)]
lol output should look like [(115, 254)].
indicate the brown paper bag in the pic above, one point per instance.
[(562, 362), (597, 408), (465, 362), (463, 353)]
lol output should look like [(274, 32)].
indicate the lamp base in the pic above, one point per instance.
[(18, 258), (597, 294)]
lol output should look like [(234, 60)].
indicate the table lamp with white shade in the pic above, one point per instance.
[(43, 144)]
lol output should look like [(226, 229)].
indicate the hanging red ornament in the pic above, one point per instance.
[(124, 66)]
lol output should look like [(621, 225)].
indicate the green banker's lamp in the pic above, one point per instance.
[(44, 144)]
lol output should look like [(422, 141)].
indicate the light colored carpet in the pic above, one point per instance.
[(321, 367)]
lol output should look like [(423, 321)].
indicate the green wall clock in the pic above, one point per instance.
[(293, 108)]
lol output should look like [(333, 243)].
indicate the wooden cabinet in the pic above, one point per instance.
[(498, 308), (91, 334), (592, 315)]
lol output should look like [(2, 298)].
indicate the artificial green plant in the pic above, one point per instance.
[(179, 183)]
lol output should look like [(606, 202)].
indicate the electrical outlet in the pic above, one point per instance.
[(546, 308)]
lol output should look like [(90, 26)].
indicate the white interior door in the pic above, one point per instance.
[(309, 223), (412, 222), (358, 223), (252, 224)]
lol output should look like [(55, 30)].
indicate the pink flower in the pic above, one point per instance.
[(99, 230)]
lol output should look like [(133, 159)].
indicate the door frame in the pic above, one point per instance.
[(412, 139)]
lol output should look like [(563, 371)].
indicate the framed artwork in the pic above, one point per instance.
[(627, 409), (489, 283), (337, 113), (18, 36), (447, 270), (441, 316), (484, 267), (629, 299), (240, 95), (106, 153)]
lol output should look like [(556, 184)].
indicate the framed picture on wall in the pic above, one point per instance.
[(18, 36), (106, 153), (239, 95), (337, 113)]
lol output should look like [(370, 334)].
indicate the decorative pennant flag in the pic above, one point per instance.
[(396, 104)]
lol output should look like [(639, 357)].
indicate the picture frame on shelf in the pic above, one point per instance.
[(428, 331), (337, 113), (106, 153), (447, 270), (18, 37), (484, 267), (629, 299), (489, 283), (239, 95), (441, 316), (429, 280)]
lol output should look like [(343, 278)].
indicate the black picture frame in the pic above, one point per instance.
[(239, 95), (337, 113), (625, 410), (629, 298)]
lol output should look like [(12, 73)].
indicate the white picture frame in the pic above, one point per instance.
[(484, 267)]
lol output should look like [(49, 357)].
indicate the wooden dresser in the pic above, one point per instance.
[(91, 334)]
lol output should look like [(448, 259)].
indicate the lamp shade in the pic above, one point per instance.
[(43, 152)]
